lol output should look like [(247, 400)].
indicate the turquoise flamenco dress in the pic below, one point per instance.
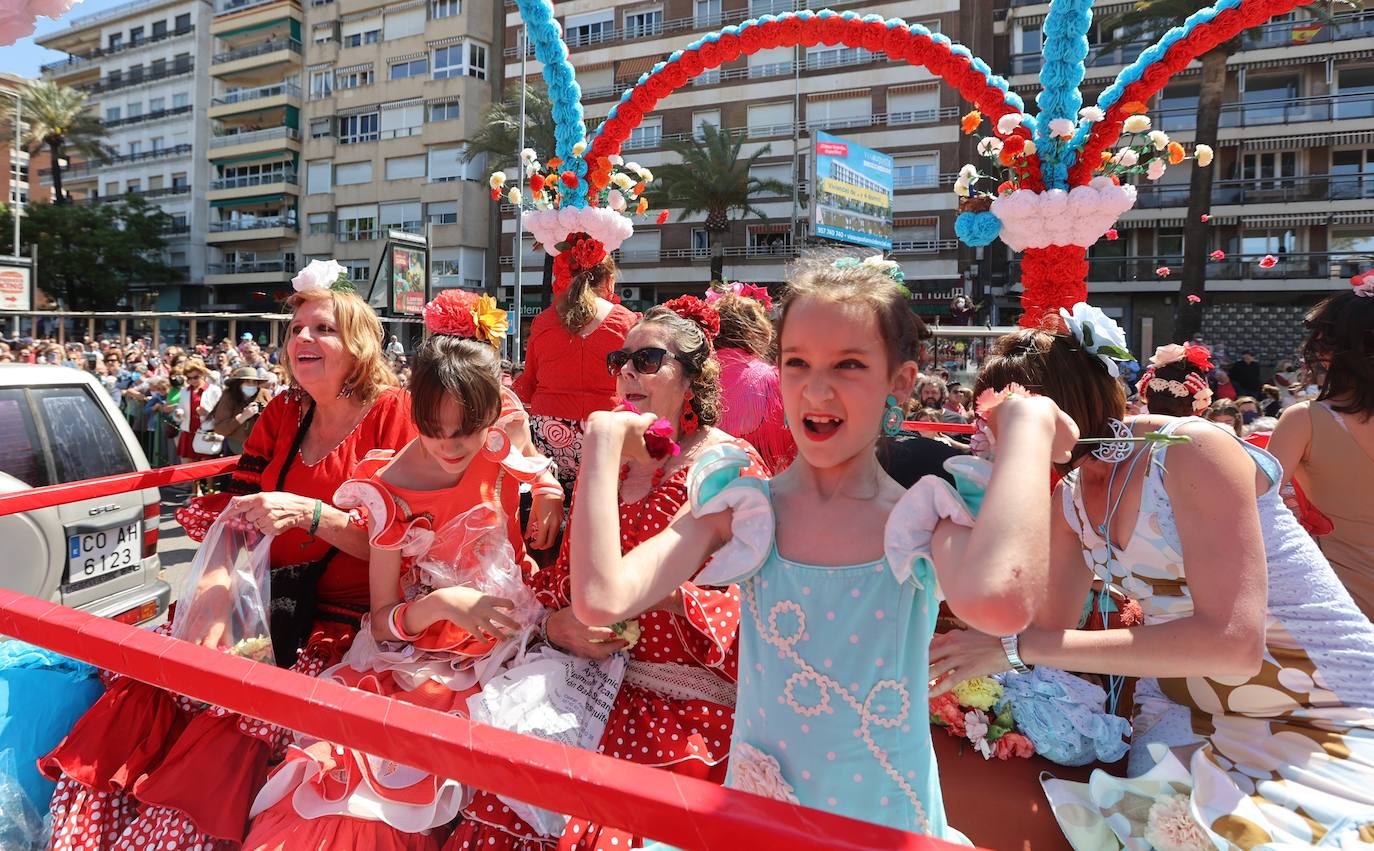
[(833, 660)]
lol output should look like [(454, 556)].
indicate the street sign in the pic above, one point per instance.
[(16, 284)]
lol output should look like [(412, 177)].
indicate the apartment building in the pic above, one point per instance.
[(29, 190), (143, 65), (1294, 178), (776, 99), (254, 151), (393, 91)]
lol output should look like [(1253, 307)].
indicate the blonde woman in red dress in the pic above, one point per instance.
[(132, 774), (675, 709)]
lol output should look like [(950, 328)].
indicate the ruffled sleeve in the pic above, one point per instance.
[(714, 615), (911, 526), (719, 482), (388, 526)]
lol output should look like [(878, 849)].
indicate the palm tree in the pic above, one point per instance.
[(713, 179), (499, 140), (58, 119), (1145, 20)]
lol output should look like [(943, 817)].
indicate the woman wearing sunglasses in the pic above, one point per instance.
[(565, 378), (675, 708)]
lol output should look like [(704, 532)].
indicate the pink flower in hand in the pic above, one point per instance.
[(1163, 272), (990, 399), (1218, 255), (1269, 261), (658, 438)]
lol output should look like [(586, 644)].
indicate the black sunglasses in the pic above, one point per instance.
[(647, 361)]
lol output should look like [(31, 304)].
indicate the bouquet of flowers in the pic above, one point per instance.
[(977, 711)]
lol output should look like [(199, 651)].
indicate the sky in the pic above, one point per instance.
[(25, 58)]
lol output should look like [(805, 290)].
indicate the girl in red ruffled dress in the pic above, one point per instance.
[(146, 768), (675, 709), (448, 595)]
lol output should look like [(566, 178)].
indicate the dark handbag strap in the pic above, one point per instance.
[(295, 599)]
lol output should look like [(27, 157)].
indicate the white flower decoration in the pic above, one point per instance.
[(1099, 334), (752, 770), (990, 147), (1126, 157), (968, 173), (1092, 113), (319, 275), (961, 188), (1156, 169), (1029, 149), (1061, 127), (1159, 139), (528, 155), (1136, 124), (1203, 153), (1009, 122), (882, 264)]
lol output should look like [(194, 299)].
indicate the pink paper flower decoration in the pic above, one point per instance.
[(1163, 272), (1218, 255), (1192, 299), (1269, 261)]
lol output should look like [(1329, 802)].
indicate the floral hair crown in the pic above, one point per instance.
[(743, 290), (1194, 384), (1098, 334), (1199, 356), (698, 312), (1364, 284), (459, 313), (323, 275)]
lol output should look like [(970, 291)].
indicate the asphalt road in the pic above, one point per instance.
[(173, 546)]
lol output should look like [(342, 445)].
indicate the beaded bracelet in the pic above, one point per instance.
[(395, 620)]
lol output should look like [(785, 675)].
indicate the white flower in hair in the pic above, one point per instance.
[(1099, 334), (882, 264), (319, 275)]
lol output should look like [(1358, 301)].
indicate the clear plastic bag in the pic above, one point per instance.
[(473, 550), (22, 827), (224, 600)]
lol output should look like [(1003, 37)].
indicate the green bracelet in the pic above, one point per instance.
[(315, 521)]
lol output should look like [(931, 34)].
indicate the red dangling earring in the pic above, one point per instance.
[(688, 422)]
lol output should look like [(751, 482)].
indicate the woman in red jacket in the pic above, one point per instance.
[(565, 376)]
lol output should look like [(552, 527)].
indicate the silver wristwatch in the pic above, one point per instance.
[(1011, 645)]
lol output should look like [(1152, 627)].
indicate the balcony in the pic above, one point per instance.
[(772, 131), (1335, 267), (225, 7), (1340, 107), (146, 194), (89, 169), (235, 97), (249, 137), (1272, 35), (255, 272), (110, 84), (1282, 190), (253, 228), (748, 252), (71, 63), (254, 180), (155, 115), (257, 50)]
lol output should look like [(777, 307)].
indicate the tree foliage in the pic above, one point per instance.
[(56, 118), (90, 254)]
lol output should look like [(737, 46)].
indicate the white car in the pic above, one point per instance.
[(58, 425)]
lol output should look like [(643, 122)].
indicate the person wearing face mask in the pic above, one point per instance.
[(234, 415)]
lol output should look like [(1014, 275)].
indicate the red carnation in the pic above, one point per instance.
[(569, 179), (496, 194), (1013, 744), (1014, 144), (1112, 235), (662, 217), (451, 313), (1198, 356), (536, 183), (694, 309), (587, 252)]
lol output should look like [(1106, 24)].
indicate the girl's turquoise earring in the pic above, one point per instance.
[(892, 417)]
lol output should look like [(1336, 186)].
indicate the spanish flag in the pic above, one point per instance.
[(1304, 33)]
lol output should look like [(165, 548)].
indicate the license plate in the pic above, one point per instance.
[(93, 554)]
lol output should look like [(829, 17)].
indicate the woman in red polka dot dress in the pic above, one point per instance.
[(675, 709)]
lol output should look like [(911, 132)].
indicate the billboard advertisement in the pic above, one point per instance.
[(407, 280), (16, 290), (852, 201)]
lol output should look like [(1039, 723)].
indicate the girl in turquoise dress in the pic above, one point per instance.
[(840, 569)]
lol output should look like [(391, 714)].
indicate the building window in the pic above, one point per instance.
[(449, 61), (180, 99), (649, 134), (1352, 174), (319, 177), (319, 127), (357, 128), (358, 270), (135, 148), (581, 31), (357, 223), (135, 109), (116, 41), (701, 241), (353, 174), (155, 143), (134, 187), (183, 23), (179, 180), (445, 8), (322, 33), (411, 68), (1169, 245), (402, 215), (1267, 98), (136, 35), (159, 29), (443, 213), (642, 24), (354, 79), (445, 164), (317, 224), (443, 111), (1269, 169), (112, 113), (1356, 92), (405, 168), (706, 13), (156, 105), (321, 84), (920, 171), (359, 39)]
